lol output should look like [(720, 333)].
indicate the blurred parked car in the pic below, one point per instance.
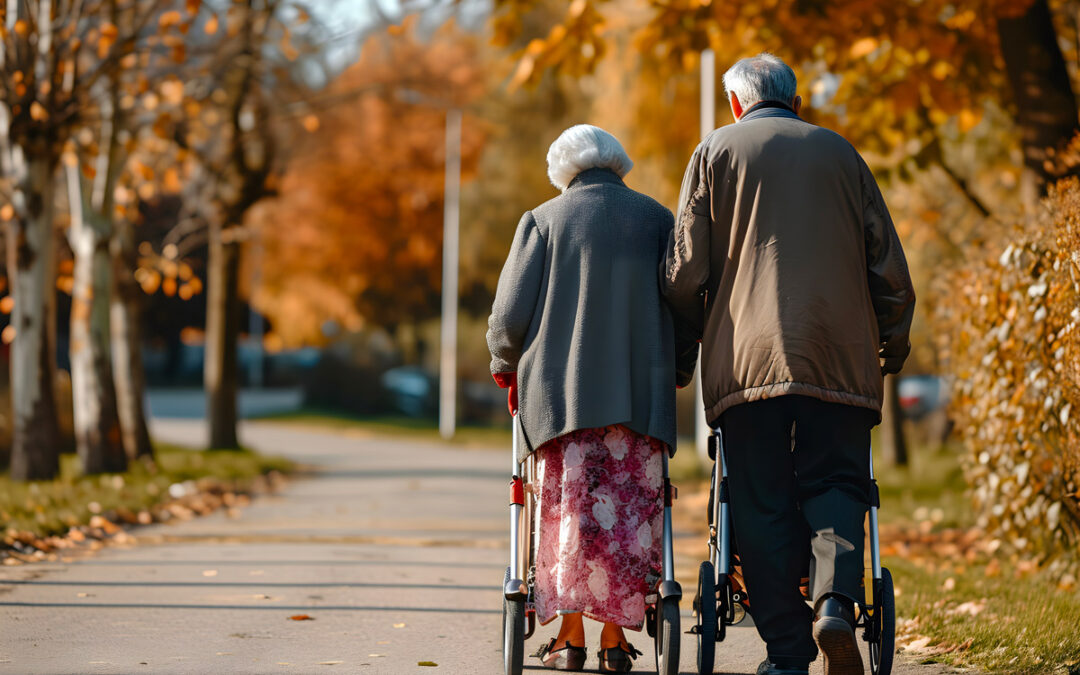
[(922, 395), (413, 390)]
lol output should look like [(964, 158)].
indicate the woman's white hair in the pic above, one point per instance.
[(761, 78), (583, 147)]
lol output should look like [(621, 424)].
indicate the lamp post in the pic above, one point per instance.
[(448, 324), (451, 219)]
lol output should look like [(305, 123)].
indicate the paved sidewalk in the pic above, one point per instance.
[(396, 549)]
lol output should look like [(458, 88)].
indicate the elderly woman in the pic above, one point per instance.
[(580, 334)]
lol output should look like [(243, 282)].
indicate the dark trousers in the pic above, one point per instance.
[(799, 479)]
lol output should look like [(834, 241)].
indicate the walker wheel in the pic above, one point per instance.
[(666, 639), (513, 632), (883, 646), (705, 609)]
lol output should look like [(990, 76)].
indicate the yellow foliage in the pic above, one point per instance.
[(1012, 342)]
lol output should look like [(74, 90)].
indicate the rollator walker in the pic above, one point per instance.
[(519, 612), (719, 604)]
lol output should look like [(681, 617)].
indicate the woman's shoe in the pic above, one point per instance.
[(617, 659), (564, 658)]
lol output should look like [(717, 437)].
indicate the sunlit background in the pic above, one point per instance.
[(252, 208)]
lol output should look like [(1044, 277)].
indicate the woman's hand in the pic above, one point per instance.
[(508, 381)]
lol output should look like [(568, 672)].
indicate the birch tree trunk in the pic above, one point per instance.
[(97, 424), (128, 375), (222, 328), (35, 433)]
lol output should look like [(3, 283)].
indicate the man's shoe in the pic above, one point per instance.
[(834, 632), (564, 658), (767, 667)]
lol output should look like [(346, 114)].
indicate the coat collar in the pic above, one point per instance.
[(594, 176), (768, 109)]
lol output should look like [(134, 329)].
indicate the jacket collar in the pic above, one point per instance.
[(594, 176), (769, 109)]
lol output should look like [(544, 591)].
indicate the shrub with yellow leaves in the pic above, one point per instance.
[(1012, 344)]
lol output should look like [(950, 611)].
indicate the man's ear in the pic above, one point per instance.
[(736, 107), (796, 104)]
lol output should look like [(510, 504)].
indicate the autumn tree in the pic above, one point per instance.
[(54, 52), (237, 76), (354, 234)]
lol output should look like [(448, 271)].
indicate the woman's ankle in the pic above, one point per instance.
[(612, 636), (571, 630)]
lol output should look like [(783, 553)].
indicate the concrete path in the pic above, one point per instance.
[(395, 549)]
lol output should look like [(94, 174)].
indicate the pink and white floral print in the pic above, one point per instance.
[(600, 501)]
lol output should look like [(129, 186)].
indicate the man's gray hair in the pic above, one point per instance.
[(760, 78), (585, 147)]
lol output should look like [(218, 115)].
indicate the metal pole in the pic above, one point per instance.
[(448, 336), (708, 123)]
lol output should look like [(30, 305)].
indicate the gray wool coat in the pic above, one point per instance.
[(579, 315)]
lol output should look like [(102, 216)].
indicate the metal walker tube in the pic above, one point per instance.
[(723, 565), (875, 551), (669, 555), (515, 512)]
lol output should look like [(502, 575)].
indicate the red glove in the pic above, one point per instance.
[(508, 381)]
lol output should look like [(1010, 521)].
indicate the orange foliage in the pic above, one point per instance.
[(896, 67), (356, 233)]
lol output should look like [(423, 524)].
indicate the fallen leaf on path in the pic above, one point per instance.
[(84, 595), (301, 617), (330, 663), (426, 663), (376, 656), (399, 625), (209, 573)]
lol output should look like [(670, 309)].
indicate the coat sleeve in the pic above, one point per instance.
[(687, 337), (686, 269), (891, 290), (516, 296)]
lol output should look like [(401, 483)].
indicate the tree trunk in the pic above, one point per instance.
[(97, 424), (128, 375), (222, 327), (35, 437), (1046, 111), (893, 444)]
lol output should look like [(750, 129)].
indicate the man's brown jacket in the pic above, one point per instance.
[(785, 256)]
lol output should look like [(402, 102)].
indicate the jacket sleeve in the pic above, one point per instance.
[(516, 296), (686, 336), (887, 271), (686, 268)]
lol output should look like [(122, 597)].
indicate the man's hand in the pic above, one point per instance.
[(508, 381), (891, 365)]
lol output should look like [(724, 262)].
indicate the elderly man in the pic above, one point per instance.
[(785, 256)]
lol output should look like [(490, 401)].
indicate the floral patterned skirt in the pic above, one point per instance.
[(600, 505)]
